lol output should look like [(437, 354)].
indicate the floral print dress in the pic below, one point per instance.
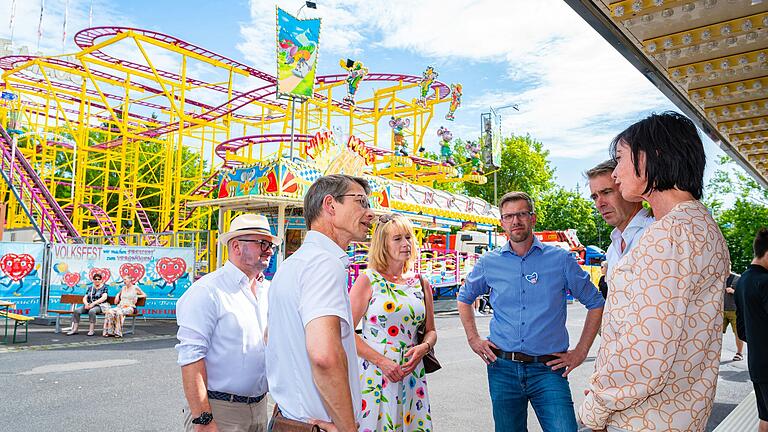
[(394, 313)]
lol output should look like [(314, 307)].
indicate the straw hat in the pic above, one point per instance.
[(248, 224)]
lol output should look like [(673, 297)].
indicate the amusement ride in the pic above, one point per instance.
[(139, 136)]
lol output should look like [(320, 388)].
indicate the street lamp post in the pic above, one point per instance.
[(486, 132)]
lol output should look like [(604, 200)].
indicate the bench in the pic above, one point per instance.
[(18, 321), (76, 300)]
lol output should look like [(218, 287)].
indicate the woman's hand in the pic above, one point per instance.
[(391, 370), (414, 356)]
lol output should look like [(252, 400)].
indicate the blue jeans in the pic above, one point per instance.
[(513, 384)]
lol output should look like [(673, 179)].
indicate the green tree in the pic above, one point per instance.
[(749, 211), (524, 167), (560, 209), (739, 225)]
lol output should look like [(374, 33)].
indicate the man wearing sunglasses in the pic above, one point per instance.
[(527, 353), (222, 320)]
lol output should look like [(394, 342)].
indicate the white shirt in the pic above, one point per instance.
[(222, 321), (631, 234), (310, 284)]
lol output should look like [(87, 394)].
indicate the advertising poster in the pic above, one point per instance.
[(164, 274), (20, 276), (297, 47), (496, 141)]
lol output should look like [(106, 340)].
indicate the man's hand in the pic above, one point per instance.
[(87, 306), (210, 427), (325, 426), (391, 370), (569, 360), (730, 290), (482, 347)]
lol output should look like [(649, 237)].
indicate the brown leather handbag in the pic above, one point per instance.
[(279, 423), (431, 364)]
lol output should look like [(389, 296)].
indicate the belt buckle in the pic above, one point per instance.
[(514, 358)]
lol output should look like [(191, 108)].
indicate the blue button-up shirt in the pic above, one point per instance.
[(528, 296)]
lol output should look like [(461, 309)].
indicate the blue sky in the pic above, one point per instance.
[(574, 91)]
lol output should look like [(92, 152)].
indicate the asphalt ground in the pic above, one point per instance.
[(79, 383)]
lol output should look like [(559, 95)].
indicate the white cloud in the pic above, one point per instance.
[(27, 18), (575, 90)]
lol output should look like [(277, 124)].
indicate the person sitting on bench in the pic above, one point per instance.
[(126, 304), (94, 302)]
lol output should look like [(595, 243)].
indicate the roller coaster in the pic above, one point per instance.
[(119, 140)]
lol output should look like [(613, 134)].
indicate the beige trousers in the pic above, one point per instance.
[(234, 416)]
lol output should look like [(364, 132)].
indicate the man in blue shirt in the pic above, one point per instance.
[(527, 353)]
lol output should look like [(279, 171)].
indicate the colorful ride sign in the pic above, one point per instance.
[(164, 274), (21, 276), (297, 48)]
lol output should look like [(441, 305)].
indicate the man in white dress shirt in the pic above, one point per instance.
[(629, 219), (311, 356), (222, 318)]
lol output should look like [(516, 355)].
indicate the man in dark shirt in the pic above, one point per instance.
[(752, 322), (729, 314)]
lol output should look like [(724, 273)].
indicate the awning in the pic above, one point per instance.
[(709, 57)]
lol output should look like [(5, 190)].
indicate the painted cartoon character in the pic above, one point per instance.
[(475, 162), (428, 77), (355, 73), (446, 154), (287, 47), (398, 125), (16, 267), (455, 100)]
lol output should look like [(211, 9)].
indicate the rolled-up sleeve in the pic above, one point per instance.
[(475, 285), (581, 286), (196, 315)]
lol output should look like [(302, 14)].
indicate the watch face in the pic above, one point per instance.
[(204, 419)]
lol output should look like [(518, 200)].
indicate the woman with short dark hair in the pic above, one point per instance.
[(94, 302), (659, 356)]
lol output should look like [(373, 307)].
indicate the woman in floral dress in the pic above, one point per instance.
[(393, 302), (126, 298)]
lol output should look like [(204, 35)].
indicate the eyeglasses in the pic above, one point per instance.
[(509, 217), (361, 199), (264, 244)]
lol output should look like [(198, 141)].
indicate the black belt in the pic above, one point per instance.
[(234, 398), (521, 357)]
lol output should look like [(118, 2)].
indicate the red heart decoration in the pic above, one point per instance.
[(17, 266), (104, 272), (170, 269), (133, 270), (71, 279)]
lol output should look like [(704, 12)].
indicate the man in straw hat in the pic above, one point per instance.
[(222, 318), (311, 356)]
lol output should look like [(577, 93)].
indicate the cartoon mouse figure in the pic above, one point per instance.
[(475, 162), (446, 154), (355, 73), (398, 125)]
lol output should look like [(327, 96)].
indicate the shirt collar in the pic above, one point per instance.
[(238, 275), (325, 243), (638, 222), (536, 244)]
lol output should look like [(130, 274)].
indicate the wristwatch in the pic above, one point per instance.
[(204, 419)]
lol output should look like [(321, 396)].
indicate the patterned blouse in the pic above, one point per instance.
[(657, 366), (94, 293)]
